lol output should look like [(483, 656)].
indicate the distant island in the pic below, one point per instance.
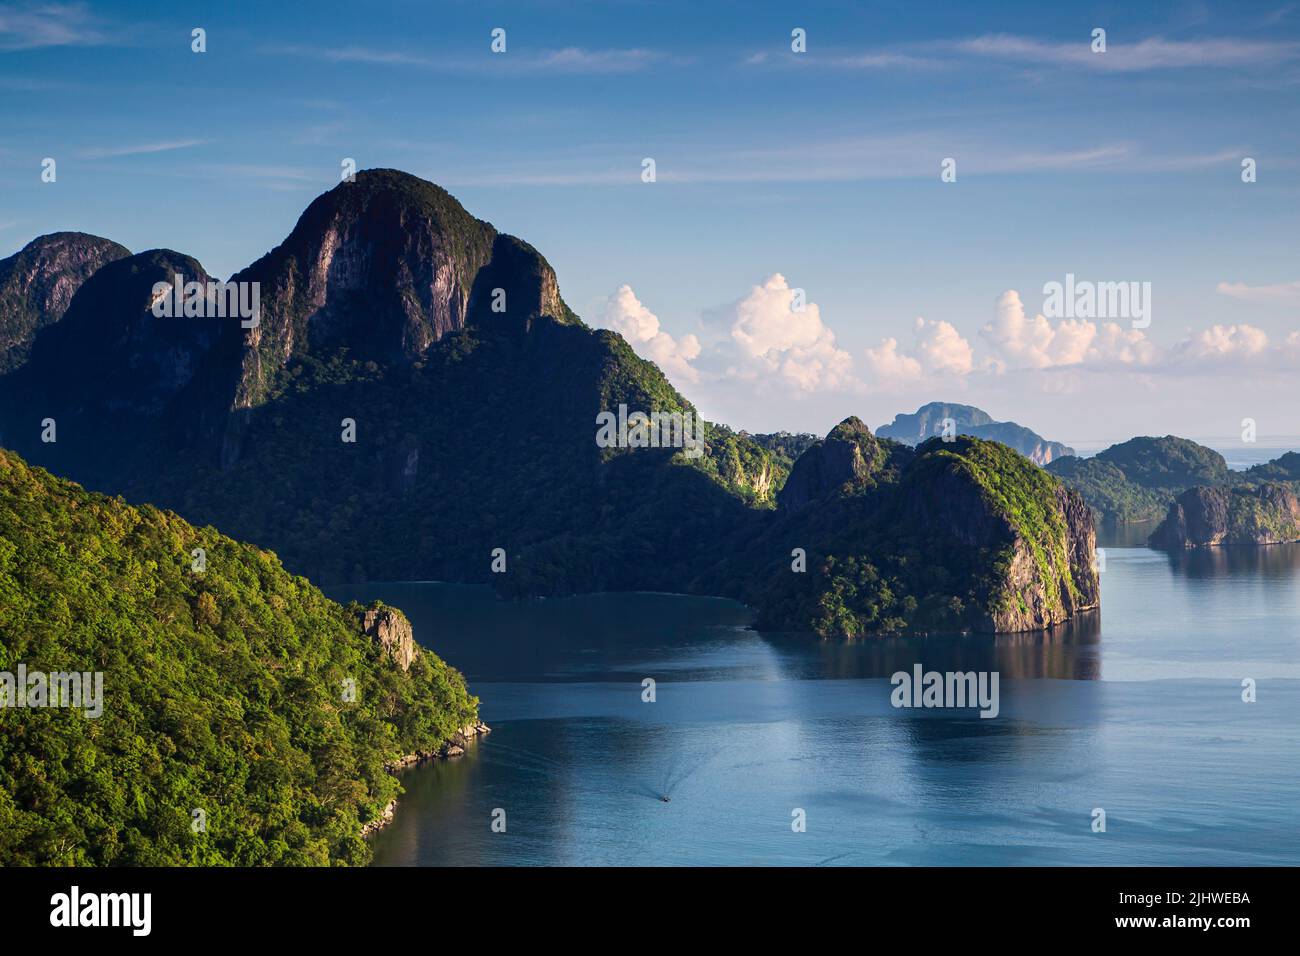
[(930, 420), (1190, 492)]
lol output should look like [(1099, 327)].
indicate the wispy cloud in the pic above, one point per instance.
[(1153, 53), (32, 26), (108, 152), (272, 176), (848, 60), (566, 60), (1278, 292), (848, 159)]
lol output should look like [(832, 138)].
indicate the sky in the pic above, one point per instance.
[(800, 255)]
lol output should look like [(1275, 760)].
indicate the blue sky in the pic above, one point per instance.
[(775, 170)]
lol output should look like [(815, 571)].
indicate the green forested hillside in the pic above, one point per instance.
[(223, 692), (1138, 479)]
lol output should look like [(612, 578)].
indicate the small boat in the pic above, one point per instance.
[(665, 798)]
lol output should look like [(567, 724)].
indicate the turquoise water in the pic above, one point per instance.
[(1136, 711)]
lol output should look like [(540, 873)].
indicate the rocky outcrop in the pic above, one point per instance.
[(38, 282), (844, 462), (384, 267), (1048, 582), (390, 629), (453, 746), (1207, 517), (516, 288), (385, 817)]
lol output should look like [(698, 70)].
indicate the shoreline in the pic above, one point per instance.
[(452, 748)]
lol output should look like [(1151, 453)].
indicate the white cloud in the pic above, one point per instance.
[(1018, 341), (569, 60), (628, 316), (939, 350), (795, 345), (166, 146), (1279, 292), (1223, 342), (887, 364), (942, 348), (32, 26), (1153, 53)]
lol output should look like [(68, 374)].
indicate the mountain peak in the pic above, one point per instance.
[(38, 282), (385, 266)]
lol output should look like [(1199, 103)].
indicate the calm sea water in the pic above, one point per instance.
[(1136, 710)]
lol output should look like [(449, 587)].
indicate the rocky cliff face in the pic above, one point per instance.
[(38, 282), (1210, 516), (1050, 579), (390, 629), (384, 267), (978, 496)]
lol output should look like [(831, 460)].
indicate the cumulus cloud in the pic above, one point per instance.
[(628, 316), (938, 349), (1223, 342), (886, 363), (1018, 341), (775, 331)]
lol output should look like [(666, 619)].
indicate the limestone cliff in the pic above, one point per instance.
[(390, 629), (1205, 517)]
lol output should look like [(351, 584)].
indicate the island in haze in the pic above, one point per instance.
[(416, 401), (931, 419)]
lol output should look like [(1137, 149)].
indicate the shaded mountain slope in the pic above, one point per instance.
[(37, 284), (416, 395)]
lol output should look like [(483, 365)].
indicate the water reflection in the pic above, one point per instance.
[(1068, 652), (1133, 534), (1276, 561)]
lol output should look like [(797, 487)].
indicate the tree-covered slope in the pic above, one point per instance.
[(1138, 479), (223, 692), (961, 535)]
